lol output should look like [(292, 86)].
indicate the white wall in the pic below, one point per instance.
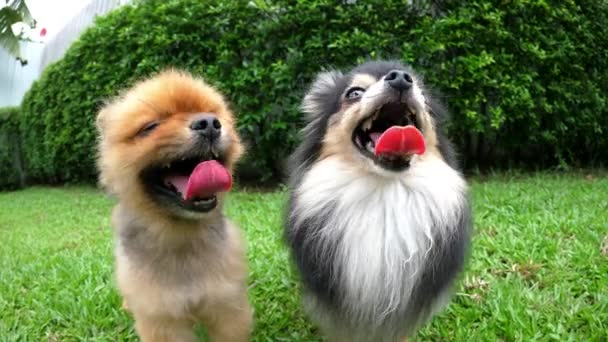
[(15, 79), (64, 20)]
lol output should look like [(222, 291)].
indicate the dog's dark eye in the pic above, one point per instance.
[(148, 128), (354, 93)]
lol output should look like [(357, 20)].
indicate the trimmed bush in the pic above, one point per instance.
[(11, 170), (525, 80)]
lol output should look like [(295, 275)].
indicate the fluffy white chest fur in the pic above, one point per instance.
[(383, 227)]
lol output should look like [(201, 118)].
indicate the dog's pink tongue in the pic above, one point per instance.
[(399, 140), (207, 178)]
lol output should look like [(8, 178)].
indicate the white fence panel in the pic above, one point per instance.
[(15, 79)]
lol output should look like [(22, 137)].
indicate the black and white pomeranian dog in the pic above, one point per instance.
[(379, 218)]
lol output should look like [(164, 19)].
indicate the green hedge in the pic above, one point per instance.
[(525, 80), (11, 170)]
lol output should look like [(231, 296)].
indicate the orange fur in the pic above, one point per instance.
[(206, 282)]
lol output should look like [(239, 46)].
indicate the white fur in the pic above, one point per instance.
[(379, 93), (386, 222), (224, 143), (374, 97), (418, 97), (324, 82), (417, 101)]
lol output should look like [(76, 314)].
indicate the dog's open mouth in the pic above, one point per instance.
[(368, 132), (192, 183)]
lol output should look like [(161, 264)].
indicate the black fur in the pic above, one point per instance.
[(314, 267), (446, 259), (445, 262), (316, 127)]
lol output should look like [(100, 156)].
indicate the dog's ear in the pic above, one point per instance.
[(323, 96), (100, 122), (106, 113), (103, 109)]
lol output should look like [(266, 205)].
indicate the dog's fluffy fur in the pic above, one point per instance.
[(177, 264), (378, 243)]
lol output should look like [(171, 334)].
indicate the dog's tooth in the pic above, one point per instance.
[(202, 201), (367, 124), (370, 146)]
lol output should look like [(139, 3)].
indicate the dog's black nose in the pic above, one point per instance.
[(399, 80), (207, 125)]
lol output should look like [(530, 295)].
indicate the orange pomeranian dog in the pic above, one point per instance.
[(166, 150)]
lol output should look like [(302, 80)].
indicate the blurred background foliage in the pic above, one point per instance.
[(525, 81)]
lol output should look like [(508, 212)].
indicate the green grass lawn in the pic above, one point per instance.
[(538, 268)]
